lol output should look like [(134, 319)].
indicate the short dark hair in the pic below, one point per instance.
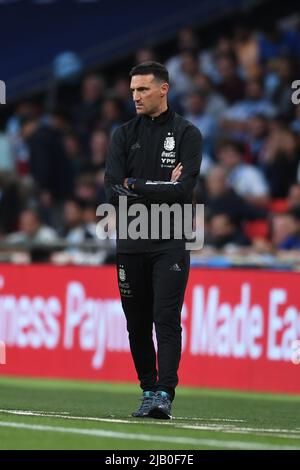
[(146, 68), (237, 146)]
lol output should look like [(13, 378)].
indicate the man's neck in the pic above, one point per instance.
[(161, 110)]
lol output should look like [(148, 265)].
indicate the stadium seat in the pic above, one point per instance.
[(278, 205), (257, 229)]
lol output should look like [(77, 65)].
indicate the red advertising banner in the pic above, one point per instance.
[(241, 329)]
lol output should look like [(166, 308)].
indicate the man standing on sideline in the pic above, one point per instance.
[(153, 159)]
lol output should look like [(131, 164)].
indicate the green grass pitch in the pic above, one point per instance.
[(54, 414)]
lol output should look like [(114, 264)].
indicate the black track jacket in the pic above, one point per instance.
[(148, 149)]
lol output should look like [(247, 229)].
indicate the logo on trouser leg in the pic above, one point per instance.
[(122, 273), (124, 287), (175, 267)]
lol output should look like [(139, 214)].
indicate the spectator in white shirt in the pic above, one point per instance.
[(32, 230), (236, 117), (247, 180), (195, 113)]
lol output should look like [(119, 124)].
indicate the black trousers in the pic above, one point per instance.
[(152, 287)]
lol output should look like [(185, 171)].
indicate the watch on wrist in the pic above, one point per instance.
[(130, 182)]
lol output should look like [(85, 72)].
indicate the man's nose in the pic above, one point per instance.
[(136, 96)]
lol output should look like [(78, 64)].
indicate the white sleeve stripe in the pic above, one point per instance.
[(154, 183)]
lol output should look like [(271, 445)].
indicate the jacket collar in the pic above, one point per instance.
[(161, 119)]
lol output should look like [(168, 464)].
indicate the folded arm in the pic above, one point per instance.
[(176, 191), (115, 172)]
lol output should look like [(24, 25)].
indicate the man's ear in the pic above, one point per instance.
[(164, 89)]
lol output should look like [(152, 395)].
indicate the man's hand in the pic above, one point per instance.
[(176, 173), (128, 183)]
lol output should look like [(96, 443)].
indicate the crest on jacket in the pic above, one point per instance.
[(169, 143)]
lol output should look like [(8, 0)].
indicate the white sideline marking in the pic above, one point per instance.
[(229, 420), (226, 428), (40, 412), (146, 437), (46, 414), (290, 433), (232, 427), (58, 414)]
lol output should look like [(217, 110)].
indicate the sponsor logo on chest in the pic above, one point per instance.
[(168, 156)]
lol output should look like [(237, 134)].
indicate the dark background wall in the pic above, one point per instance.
[(33, 33)]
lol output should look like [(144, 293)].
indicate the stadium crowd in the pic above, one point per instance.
[(238, 93)]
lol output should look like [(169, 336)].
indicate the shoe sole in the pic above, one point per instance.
[(157, 413)]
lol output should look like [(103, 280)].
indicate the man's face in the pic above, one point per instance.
[(29, 224), (148, 93), (228, 157), (220, 226), (216, 181)]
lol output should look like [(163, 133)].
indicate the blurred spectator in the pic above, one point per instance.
[(6, 159), (293, 199), (230, 85), (285, 231), (89, 216), (215, 103), (278, 85), (279, 161), (246, 180), (274, 43), (145, 54), (220, 198), (96, 167), (80, 232), (276, 124), (20, 152), (86, 113), (76, 230), (187, 41), (182, 81), (235, 118), (31, 230), (295, 124), (246, 49), (85, 188), (49, 166), (195, 113), (73, 221), (292, 241), (74, 153), (99, 148), (10, 203), (256, 135), (223, 47), (111, 116), (123, 93), (224, 234)]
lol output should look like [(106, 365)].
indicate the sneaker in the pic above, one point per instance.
[(161, 406), (146, 405)]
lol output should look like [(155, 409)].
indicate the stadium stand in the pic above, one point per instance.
[(234, 83)]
